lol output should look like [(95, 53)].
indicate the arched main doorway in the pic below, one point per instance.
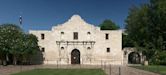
[(75, 56), (134, 58)]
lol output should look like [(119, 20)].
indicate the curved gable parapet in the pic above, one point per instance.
[(75, 23)]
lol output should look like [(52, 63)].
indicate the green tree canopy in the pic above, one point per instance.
[(29, 46), (146, 28), (9, 37), (15, 42), (108, 25), (126, 41)]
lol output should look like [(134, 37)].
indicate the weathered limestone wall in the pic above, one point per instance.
[(97, 54)]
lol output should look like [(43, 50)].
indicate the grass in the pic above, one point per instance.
[(155, 68), (63, 72)]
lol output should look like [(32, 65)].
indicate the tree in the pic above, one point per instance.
[(137, 23), (108, 25), (146, 28), (9, 36), (13, 41), (126, 41), (30, 47)]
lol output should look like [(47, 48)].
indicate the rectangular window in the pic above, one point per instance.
[(43, 49), (106, 36), (75, 35), (42, 36), (108, 50)]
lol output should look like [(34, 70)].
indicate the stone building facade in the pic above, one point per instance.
[(78, 42)]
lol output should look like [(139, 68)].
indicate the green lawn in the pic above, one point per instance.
[(157, 69), (63, 72)]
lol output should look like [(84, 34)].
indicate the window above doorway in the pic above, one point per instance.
[(75, 35)]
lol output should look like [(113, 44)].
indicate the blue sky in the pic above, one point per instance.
[(43, 14)]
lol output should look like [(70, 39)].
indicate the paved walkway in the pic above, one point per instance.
[(123, 70), (110, 70)]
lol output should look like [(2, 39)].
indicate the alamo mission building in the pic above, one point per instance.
[(78, 42)]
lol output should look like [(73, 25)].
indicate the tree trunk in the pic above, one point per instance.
[(4, 63), (24, 61), (14, 60), (0, 61), (29, 60)]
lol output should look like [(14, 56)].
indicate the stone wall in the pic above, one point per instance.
[(91, 43)]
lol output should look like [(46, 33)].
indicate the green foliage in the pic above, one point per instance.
[(108, 25), (146, 27), (159, 59), (126, 41), (30, 44), (9, 37), (15, 42), (29, 47)]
